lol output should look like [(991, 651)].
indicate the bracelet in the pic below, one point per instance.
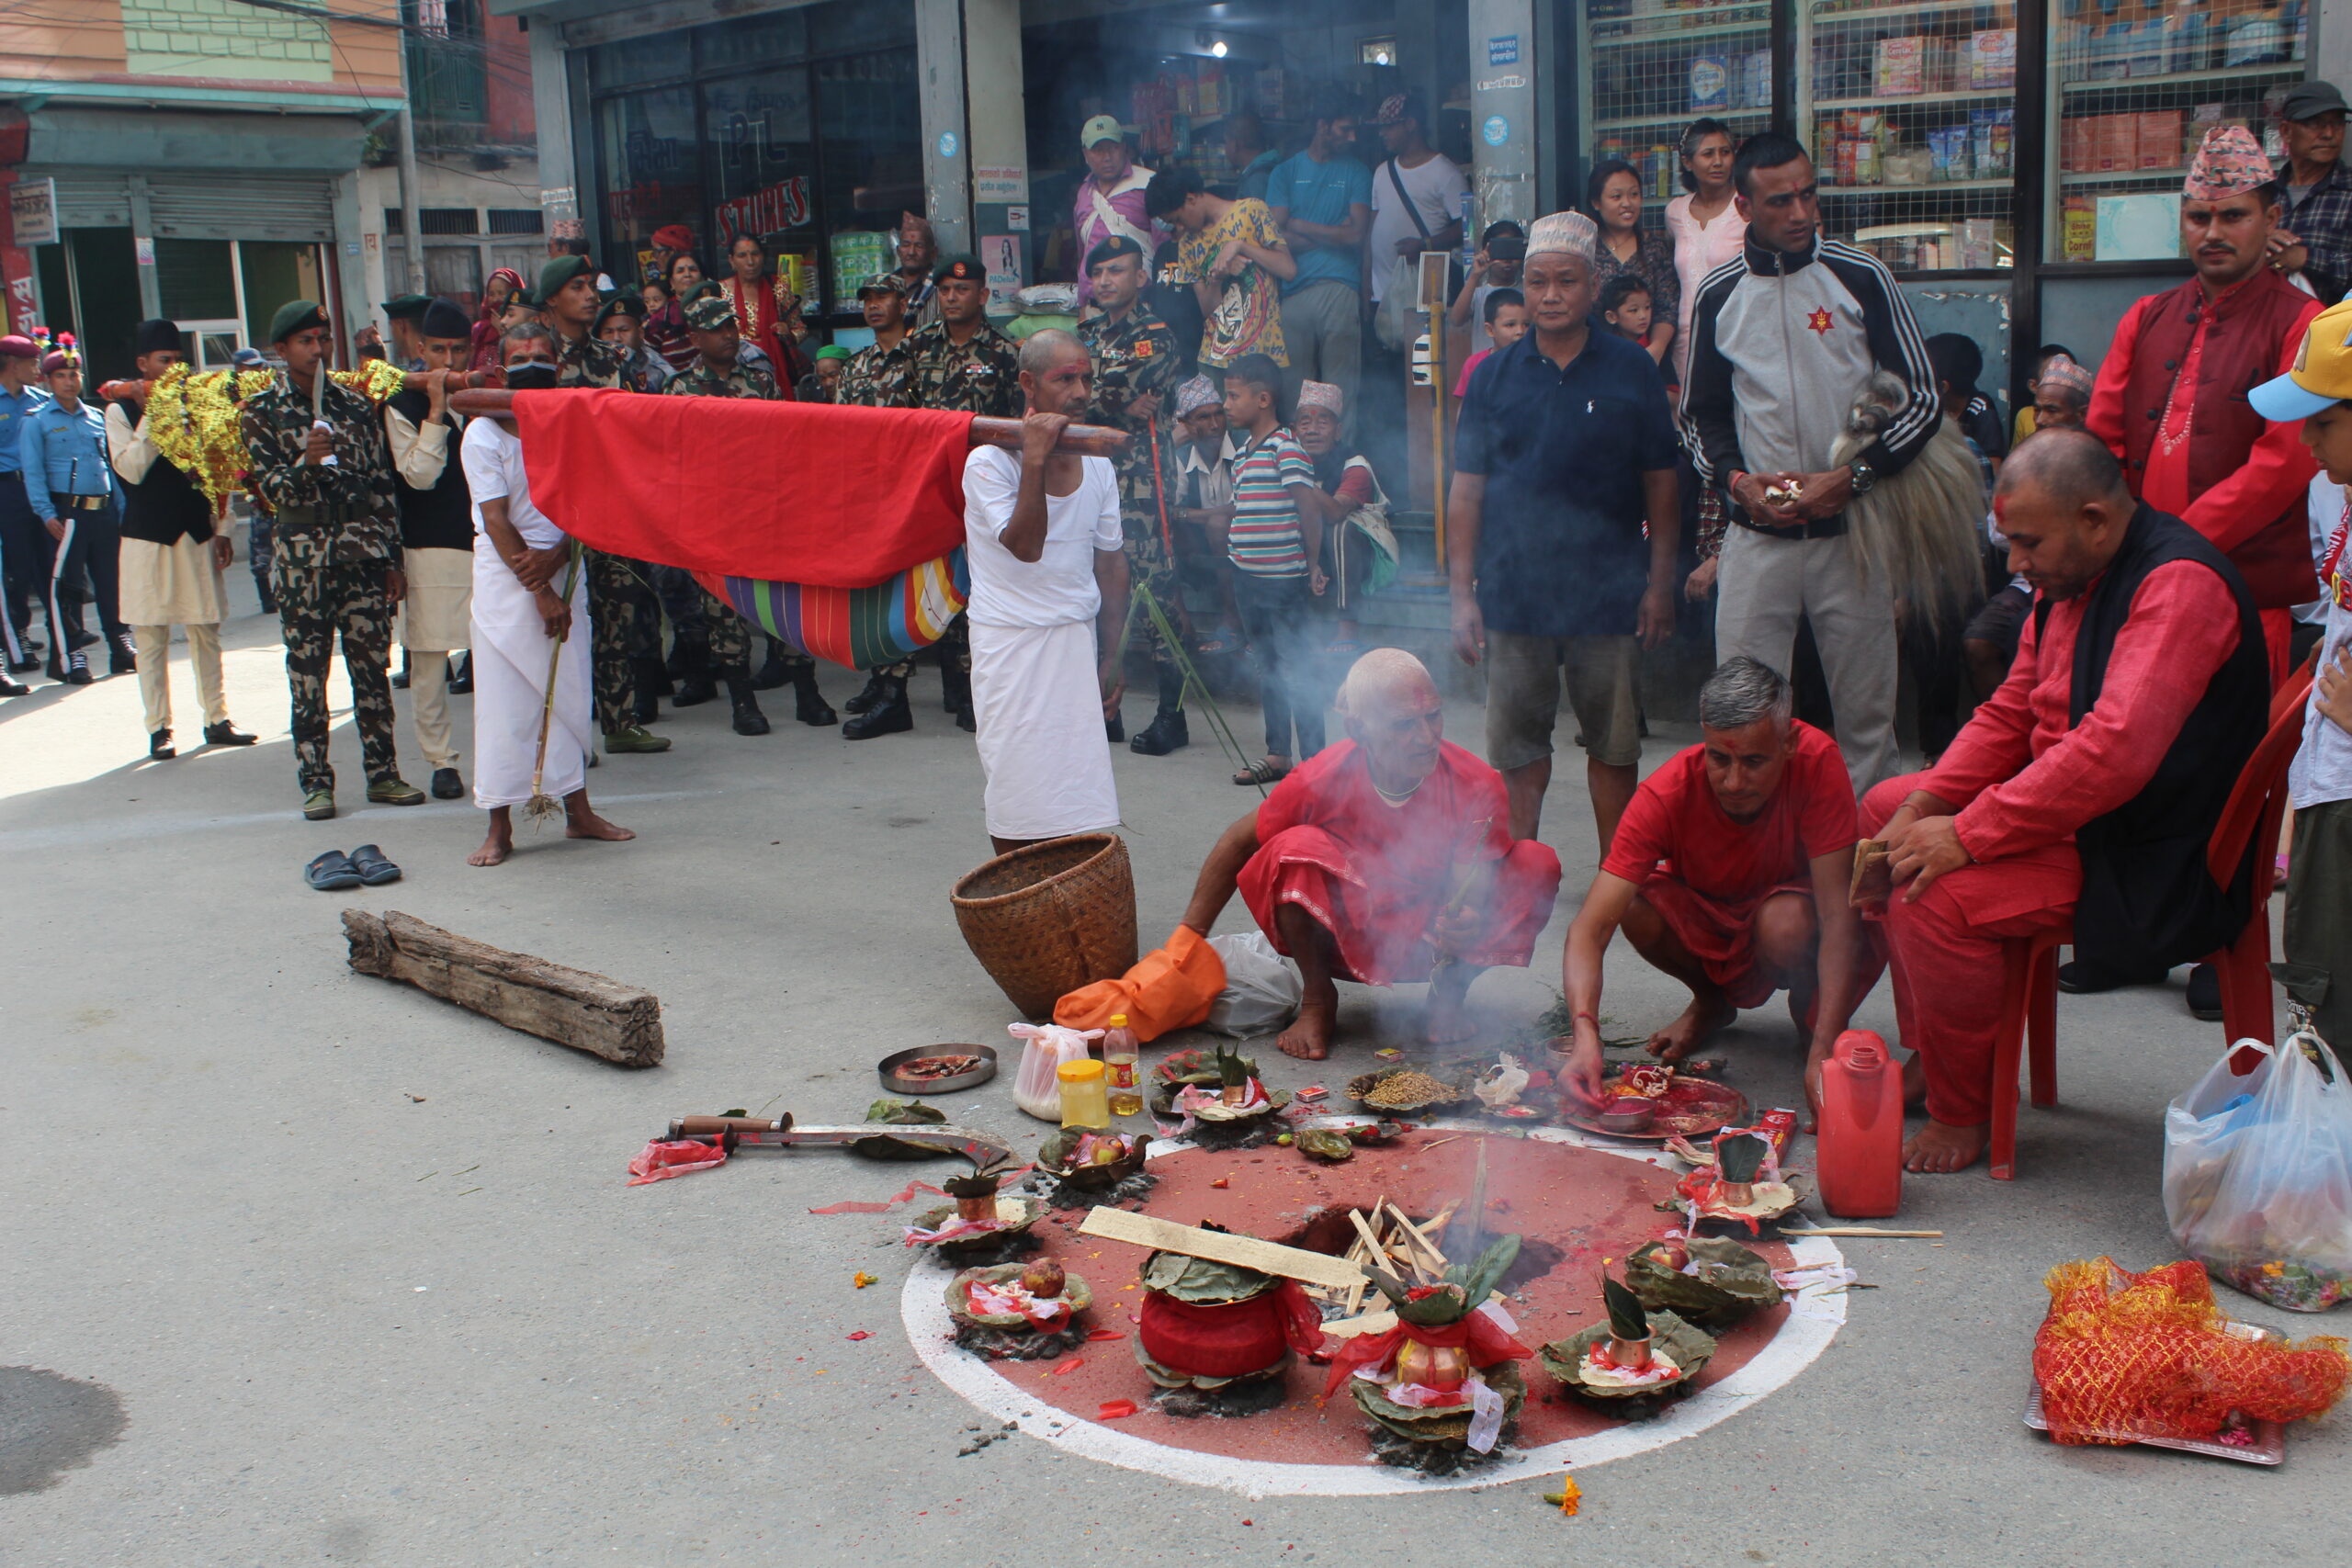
[(1587, 1018)]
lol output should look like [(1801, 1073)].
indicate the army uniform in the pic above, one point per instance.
[(729, 633), (875, 378), (338, 536), (982, 376)]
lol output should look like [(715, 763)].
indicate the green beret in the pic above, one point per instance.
[(296, 316), (963, 265), (618, 305), (1111, 249), (561, 270), (832, 351), (406, 307), (709, 313)]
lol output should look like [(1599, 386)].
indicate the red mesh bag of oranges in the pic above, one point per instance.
[(2123, 1356)]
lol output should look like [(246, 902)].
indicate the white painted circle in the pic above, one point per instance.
[(923, 1308)]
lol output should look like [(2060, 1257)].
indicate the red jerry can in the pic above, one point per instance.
[(1861, 1139)]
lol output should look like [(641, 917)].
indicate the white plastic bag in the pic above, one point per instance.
[(1261, 990), (2258, 1174), (1037, 1087)]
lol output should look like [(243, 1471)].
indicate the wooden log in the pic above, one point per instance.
[(571, 1006), (1088, 440)]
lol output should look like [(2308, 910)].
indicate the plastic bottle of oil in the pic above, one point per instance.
[(1119, 1067), (1083, 1104)]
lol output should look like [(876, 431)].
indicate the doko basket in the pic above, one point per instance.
[(1050, 917)]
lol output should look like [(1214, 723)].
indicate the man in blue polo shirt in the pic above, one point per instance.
[(1562, 524), (63, 449), (1322, 203), (25, 545)]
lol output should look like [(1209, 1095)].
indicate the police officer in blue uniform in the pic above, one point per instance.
[(25, 545), (70, 484)]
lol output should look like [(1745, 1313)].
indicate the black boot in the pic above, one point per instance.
[(772, 672), (123, 658), (809, 705), (1166, 731), (12, 688), (888, 714), (651, 681), (869, 697), (955, 686), (749, 719), (461, 675), (160, 747), (695, 685)]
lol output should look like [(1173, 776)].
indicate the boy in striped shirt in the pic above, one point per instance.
[(1276, 544)]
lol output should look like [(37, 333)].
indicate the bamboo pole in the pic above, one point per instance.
[(1082, 440)]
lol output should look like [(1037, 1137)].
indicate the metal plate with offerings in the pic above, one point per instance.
[(937, 1069)]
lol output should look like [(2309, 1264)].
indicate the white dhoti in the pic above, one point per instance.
[(511, 650), (163, 586), (434, 618), (1038, 699)]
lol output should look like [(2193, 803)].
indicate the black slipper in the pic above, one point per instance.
[(332, 872), (373, 868)]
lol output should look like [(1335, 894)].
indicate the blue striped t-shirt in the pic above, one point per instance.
[(1264, 539)]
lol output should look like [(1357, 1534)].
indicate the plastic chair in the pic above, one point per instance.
[(2029, 963)]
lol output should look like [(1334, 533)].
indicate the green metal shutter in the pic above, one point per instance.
[(245, 205)]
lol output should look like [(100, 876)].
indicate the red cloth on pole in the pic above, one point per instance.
[(817, 493)]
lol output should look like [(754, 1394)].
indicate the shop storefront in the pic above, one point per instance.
[(799, 126)]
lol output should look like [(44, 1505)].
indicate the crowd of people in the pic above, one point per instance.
[(2096, 599)]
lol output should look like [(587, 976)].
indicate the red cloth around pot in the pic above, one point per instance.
[(1486, 1339), (1231, 1340)]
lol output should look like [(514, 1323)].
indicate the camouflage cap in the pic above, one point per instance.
[(709, 313), (883, 283)]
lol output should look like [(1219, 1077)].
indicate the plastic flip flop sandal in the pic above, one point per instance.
[(373, 868), (332, 872)]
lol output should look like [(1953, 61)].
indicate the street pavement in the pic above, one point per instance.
[(306, 1266)]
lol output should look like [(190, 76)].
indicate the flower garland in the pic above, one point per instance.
[(193, 418)]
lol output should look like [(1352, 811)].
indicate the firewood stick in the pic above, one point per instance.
[(1420, 1241), (1085, 440)]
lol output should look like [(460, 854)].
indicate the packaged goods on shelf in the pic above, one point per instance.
[(1905, 65), (2159, 139), (1993, 58), (1710, 77)]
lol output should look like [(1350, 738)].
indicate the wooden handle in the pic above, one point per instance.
[(1084, 440), (719, 1126)]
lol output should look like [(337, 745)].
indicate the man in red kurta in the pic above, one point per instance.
[(1729, 871), (1387, 857), (2170, 400), (2085, 790)]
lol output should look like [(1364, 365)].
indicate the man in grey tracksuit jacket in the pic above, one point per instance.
[(1782, 339)]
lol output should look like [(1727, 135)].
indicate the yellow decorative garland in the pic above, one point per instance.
[(193, 418)]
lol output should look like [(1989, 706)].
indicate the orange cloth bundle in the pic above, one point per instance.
[(1172, 987), (2126, 1356)]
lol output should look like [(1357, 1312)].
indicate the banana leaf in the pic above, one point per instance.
[(901, 1114), (1323, 1144), (1730, 1283)]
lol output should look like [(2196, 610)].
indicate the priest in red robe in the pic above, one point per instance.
[(2170, 399), (2084, 792), (1730, 872), (1385, 858)]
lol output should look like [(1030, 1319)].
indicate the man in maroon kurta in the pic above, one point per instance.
[(1385, 858), (2170, 400), (2085, 790)]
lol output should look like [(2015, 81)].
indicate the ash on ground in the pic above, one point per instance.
[(1061, 1194), (1003, 1247), (1251, 1398), (1018, 1344), (1436, 1460)]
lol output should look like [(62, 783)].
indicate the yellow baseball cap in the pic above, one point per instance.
[(1100, 128), (2323, 373)]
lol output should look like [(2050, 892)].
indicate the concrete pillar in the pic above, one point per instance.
[(946, 153), (143, 238), (559, 170), (995, 111), (1504, 129)]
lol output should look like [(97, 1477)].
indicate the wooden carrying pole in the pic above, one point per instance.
[(1084, 440)]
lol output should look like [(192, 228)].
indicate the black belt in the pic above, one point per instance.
[(1818, 528), (78, 502)]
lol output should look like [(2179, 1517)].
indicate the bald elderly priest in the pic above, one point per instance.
[(1387, 857), (2082, 793)]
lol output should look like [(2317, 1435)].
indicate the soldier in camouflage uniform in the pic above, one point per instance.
[(1137, 366), (876, 376), (959, 363), (715, 372), (624, 619), (336, 568)]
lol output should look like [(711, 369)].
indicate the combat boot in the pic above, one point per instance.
[(635, 738), (809, 705), (772, 671), (957, 688), (749, 719), (1168, 730), (461, 675), (696, 685), (889, 715), (650, 682), (867, 697)]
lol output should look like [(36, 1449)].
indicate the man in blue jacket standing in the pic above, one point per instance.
[(62, 450), (25, 545), (1782, 341)]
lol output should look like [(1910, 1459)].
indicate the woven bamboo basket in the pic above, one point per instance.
[(1050, 917)]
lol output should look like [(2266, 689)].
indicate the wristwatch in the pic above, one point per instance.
[(1864, 475)]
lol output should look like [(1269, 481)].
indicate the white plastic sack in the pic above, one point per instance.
[(1261, 990), (1037, 1087), (2258, 1175)]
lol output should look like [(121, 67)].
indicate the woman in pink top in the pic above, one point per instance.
[(1705, 223)]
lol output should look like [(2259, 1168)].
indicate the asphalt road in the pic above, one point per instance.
[(310, 1268)]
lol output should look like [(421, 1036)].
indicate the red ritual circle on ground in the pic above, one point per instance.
[(1580, 1206)]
